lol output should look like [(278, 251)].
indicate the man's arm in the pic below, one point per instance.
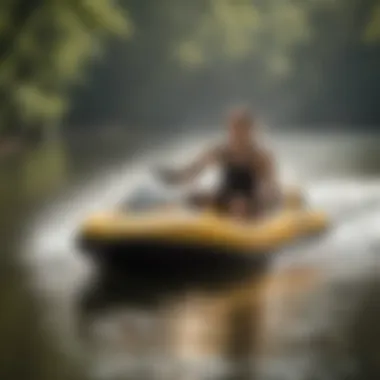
[(195, 168)]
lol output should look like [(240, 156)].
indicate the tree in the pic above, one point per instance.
[(44, 46)]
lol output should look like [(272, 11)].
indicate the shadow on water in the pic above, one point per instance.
[(153, 272), (35, 179)]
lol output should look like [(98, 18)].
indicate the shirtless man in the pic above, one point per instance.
[(248, 183)]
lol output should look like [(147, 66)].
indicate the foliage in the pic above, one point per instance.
[(45, 45), (234, 30), (184, 55)]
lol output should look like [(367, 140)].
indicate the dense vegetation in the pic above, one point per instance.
[(299, 61), (44, 46)]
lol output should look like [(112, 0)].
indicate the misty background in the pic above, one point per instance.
[(89, 84), (169, 63), (295, 62)]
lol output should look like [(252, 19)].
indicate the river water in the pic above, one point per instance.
[(324, 327)]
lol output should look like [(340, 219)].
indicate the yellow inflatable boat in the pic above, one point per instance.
[(181, 237)]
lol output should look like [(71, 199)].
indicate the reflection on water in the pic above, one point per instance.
[(304, 331)]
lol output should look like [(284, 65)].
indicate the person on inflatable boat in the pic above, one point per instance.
[(248, 178)]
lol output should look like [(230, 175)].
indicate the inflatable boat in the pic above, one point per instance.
[(177, 237)]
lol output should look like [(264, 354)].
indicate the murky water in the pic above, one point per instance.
[(323, 327)]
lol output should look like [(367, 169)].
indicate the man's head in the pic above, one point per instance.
[(240, 124)]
